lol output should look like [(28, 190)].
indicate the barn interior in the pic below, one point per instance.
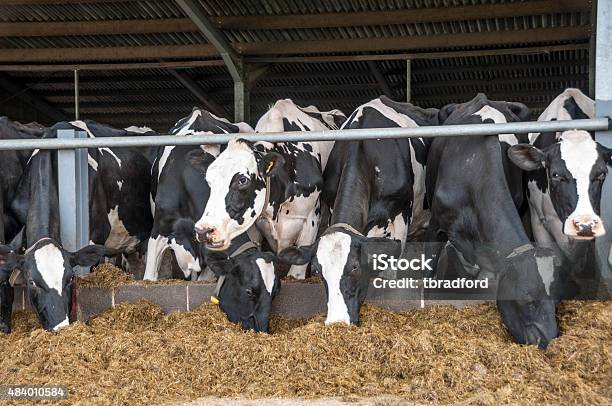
[(147, 63)]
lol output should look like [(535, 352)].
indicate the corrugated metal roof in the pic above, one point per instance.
[(115, 96)]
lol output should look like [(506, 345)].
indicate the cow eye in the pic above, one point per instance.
[(243, 181), (557, 177), (250, 292), (31, 283)]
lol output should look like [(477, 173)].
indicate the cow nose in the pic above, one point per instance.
[(585, 226), (205, 234)]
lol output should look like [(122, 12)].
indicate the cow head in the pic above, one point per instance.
[(576, 168), (525, 308), (248, 286), (237, 181), (342, 259), (48, 271)]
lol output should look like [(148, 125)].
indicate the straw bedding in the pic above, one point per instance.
[(134, 354)]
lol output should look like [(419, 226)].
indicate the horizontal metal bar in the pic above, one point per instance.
[(597, 124)]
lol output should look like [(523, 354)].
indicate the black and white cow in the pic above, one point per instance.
[(472, 208), (13, 163), (275, 187), (120, 216), (47, 269), (565, 173), (178, 190), (377, 191), (247, 281)]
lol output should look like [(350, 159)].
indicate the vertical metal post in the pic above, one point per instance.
[(241, 101), (73, 188), (603, 107), (76, 94), (592, 51), (408, 80)]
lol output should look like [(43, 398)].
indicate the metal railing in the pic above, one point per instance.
[(597, 124), (73, 170)]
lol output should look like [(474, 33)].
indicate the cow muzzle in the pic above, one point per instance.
[(210, 236), (585, 227)]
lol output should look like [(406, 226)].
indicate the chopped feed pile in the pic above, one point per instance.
[(135, 354), (108, 276)]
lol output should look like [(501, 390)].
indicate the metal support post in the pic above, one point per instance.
[(76, 94), (73, 187), (603, 108), (408, 80)]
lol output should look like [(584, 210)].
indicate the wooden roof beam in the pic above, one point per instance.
[(272, 22), (479, 39)]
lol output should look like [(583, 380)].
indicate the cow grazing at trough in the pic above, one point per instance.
[(377, 191), (179, 191), (472, 209), (565, 175), (120, 216), (246, 283), (275, 187)]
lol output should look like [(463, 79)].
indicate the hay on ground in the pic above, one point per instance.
[(134, 354)]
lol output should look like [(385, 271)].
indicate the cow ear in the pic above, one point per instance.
[(87, 256), (200, 160), (297, 255), (527, 157), (219, 262), (271, 164)]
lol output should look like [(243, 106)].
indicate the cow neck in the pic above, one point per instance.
[(43, 210), (496, 203), (353, 196)]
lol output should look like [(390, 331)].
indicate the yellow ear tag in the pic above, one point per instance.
[(270, 165), (214, 300)]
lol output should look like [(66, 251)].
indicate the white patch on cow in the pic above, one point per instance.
[(140, 130), (273, 121), (120, 184), (36, 151), (155, 249), (266, 269), (187, 262), (152, 203), (579, 152), (186, 128), (488, 112), (109, 151), (50, 264), (402, 120), (546, 269), (92, 162), (63, 323), (164, 158), (119, 238), (420, 216), (556, 109), (332, 254)]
